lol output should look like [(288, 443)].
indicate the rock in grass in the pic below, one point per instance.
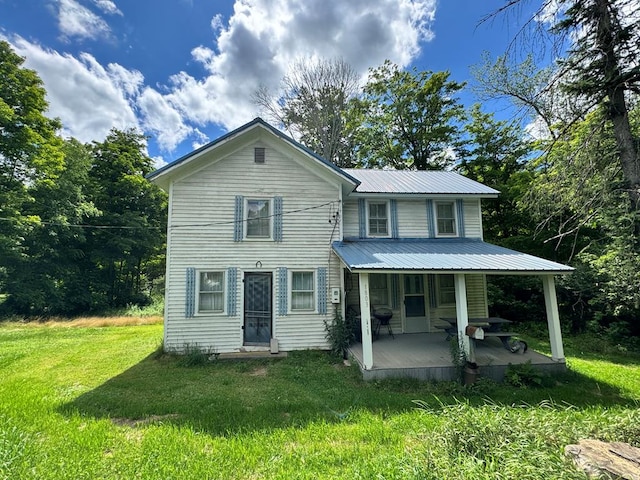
[(615, 460)]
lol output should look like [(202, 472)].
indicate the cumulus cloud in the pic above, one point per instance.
[(89, 98), (263, 38), (75, 20), (255, 46)]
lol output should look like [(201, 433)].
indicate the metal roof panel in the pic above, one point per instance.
[(417, 182), (440, 255)]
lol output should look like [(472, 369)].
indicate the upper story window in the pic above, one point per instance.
[(258, 218), (302, 291), (211, 292), (446, 219), (378, 219)]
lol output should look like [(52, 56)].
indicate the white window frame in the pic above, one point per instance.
[(388, 214), (314, 291), (388, 281), (439, 290), (198, 311), (269, 237), (455, 218)]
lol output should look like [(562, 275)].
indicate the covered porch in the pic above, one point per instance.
[(426, 355)]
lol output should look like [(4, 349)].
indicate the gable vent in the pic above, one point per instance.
[(258, 155)]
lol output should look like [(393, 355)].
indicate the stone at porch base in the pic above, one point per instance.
[(614, 460)]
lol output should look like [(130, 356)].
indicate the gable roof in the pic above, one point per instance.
[(442, 255), (162, 175), (417, 182)]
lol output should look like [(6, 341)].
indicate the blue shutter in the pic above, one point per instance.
[(190, 293), (322, 290), (362, 218), (283, 294), (395, 291), (460, 215), (238, 219), (393, 206), (433, 299), (277, 219), (232, 291), (431, 224)]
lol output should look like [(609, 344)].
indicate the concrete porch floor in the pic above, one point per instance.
[(426, 356)]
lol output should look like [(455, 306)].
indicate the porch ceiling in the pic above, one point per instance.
[(442, 255)]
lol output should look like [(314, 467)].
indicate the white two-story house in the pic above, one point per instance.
[(266, 240)]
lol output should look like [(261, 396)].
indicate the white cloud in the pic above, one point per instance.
[(161, 118), (75, 20), (264, 37), (89, 99), (256, 46), (107, 6)]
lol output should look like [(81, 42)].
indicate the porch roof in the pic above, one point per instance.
[(441, 255)]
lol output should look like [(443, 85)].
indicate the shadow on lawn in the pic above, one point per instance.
[(226, 397)]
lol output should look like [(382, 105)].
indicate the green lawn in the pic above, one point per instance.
[(90, 402)]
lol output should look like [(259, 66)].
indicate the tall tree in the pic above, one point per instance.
[(600, 67), (496, 155), (129, 231), (311, 105), (29, 151), (407, 119)]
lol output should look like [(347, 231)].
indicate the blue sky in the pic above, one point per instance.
[(183, 71)]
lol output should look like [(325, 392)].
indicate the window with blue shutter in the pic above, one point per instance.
[(322, 290), (460, 215), (431, 224), (190, 293), (393, 207), (232, 291), (283, 293), (277, 219), (362, 218), (238, 219)]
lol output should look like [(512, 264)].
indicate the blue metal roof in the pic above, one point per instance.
[(417, 182), (440, 255)]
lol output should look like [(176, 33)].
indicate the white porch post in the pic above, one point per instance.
[(462, 315), (553, 319), (365, 321)]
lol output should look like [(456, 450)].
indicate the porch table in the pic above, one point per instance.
[(492, 327)]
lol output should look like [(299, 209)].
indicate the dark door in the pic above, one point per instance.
[(257, 308)]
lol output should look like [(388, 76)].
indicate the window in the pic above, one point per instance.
[(379, 290), (446, 290), (211, 292), (302, 291), (258, 218), (259, 155), (446, 219), (378, 219)]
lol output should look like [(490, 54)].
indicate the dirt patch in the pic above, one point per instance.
[(259, 372), (141, 422)]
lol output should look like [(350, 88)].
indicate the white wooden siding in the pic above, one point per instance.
[(201, 236), (472, 218), (412, 218)]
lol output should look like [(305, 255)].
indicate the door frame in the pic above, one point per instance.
[(272, 294), (425, 296)]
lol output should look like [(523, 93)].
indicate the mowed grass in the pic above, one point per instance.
[(91, 400)]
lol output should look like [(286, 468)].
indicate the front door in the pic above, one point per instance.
[(415, 312), (257, 308)]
